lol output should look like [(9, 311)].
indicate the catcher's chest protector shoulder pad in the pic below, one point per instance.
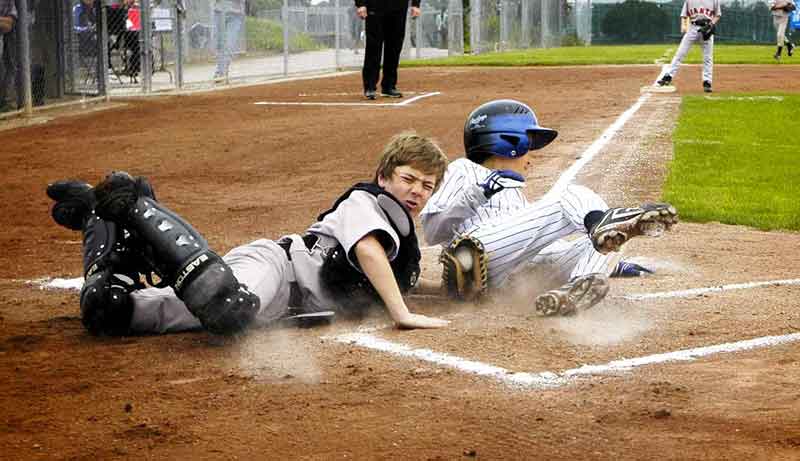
[(345, 280), (464, 269)]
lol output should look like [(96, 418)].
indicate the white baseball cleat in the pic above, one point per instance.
[(618, 225), (580, 294)]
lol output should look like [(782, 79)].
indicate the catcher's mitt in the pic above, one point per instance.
[(464, 269)]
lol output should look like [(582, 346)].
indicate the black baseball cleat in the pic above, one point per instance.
[(578, 295), (618, 225), (370, 94), (74, 203), (391, 93), (707, 86), (666, 80), (789, 48)]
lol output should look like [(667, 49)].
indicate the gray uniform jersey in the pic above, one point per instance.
[(694, 10), (516, 234), (267, 271)]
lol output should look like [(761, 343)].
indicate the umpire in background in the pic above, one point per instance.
[(385, 30)]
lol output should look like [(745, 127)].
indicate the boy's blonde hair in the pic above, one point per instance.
[(409, 148)]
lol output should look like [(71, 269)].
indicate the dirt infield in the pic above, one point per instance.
[(241, 171)]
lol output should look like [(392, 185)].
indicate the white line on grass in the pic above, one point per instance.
[(744, 98), (549, 379), (328, 104)]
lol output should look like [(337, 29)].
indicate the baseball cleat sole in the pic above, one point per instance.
[(619, 225), (579, 295)]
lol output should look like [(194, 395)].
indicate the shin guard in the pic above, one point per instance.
[(110, 276), (180, 256)]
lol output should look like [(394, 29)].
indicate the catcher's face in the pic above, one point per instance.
[(410, 186)]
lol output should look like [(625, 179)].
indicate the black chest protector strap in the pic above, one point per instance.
[(351, 287)]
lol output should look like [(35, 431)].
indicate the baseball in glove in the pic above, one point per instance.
[(464, 269)]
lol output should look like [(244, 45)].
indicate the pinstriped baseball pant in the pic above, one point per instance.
[(535, 235)]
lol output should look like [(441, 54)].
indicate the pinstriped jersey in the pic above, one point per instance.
[(459, 204), (696, 9)]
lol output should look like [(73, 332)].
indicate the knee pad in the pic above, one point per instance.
[(218, 300), (171, 245), (106, 305)]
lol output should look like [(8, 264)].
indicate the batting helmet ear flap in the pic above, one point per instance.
[(541, 137)]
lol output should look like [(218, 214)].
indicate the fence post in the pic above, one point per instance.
[(145, 42), (102, 60), (285, 20), (337, 33), (24, 49), (418, 33), (475, 26), (180, 12)]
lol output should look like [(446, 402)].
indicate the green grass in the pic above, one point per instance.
[(736, 161), (622, 54), (264, 35)]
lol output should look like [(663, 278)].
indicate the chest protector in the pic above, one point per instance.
[(352, 289)]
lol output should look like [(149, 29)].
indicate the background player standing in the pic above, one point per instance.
[(698, 22), (361, 252), (780, 18), (491, 232)]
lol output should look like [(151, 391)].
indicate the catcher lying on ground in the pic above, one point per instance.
[(490, 231), (361, 252)]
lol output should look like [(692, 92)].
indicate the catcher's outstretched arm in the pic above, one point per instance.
[(375, 265)]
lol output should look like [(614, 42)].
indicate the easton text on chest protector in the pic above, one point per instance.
[(352, 289)]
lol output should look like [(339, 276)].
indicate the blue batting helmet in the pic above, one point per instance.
[(506, 128)]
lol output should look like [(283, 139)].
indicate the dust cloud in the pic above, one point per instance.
[(278, 354)]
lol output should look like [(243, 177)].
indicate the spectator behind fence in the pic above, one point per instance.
[(84, 22), (133, 25), (228, 18), (8, 50), (781, 9), (386, 30)]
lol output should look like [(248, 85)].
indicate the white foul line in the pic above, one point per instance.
[(568, 176), (699, 291), (383, 104), (548, 379)]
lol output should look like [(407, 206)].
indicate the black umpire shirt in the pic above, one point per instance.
[(386, 5)]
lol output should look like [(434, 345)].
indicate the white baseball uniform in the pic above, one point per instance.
[(695, 10), (515, 232), (780, 18), (264, 267)]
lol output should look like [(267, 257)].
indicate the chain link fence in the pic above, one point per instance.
[(81, 49)]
